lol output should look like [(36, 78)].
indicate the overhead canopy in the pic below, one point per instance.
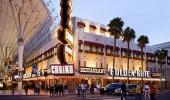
[(18, 19)]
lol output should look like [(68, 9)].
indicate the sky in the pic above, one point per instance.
[(146, 17)]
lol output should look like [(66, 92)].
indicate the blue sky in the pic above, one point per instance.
[(147, 17)]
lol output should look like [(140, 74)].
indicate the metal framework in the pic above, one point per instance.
[(19, 19)]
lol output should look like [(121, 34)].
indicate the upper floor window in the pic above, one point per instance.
[(81, 25), (102, 31), (92, 28)]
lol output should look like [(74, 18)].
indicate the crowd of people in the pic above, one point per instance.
[(59, 89), (146, 92), (83, 88)]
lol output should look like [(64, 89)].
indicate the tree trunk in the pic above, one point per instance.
[(114, 58), (165, 83), (128, 64), (142, 65), (161, 76)]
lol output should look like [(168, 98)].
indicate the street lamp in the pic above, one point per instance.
[(45, 74)]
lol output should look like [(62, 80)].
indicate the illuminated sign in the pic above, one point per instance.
[(29, 75), (124, 73), (62, 69), (91, 70), (68, 36), (1, 85), (68, 54), (155, 75)]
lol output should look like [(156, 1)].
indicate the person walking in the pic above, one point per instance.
[(84, 88), (98, 87), (146, 92), (51, 90), (138, 92), (65, 89), (78, 90), (153, 91), (92, 88), (26, 88), (123, 89)]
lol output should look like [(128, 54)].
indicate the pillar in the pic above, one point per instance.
[(20, 62)]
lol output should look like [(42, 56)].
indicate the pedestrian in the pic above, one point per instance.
[(123, 89), (56, 87), (98, 87), (78, 90), (13, 88), (38, 89), (153, 91), (61, 89), (84, 88), (146, 91), (26, 88), (65, 89), (92, 88), (51, 90), (138, 92)]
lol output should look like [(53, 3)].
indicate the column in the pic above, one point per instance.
[(20, 62)]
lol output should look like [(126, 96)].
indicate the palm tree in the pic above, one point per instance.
[(161, 55), (128, 36), (142, 41), (115, 28)]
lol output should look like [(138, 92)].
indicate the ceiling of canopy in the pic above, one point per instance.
[(18, 18)]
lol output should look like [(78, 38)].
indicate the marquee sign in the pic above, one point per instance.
[(62, 69), (124, 73), (91, 70)]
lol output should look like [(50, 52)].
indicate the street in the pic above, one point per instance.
[(70, 97), (159, 96)]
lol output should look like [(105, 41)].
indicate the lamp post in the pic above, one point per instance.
[(45, 74)]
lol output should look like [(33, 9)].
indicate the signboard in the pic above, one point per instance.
[(124, 73), (91, 70), (68, 54), (156, 75), (62, 69), (34, 69), (29, 75), (68, 36)]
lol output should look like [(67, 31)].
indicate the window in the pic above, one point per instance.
[(80, 46), (102, 31), (84, 63), (92, 28), (81, 29), (151, 70), (79, 63)]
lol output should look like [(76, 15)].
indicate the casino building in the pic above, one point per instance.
[(92, 57)]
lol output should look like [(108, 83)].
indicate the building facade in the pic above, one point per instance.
[(92, 59)]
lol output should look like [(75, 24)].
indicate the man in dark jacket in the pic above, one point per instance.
[(26, 88), (123, 89)]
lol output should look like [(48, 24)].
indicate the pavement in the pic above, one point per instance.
[(7, 95), (22, 92)]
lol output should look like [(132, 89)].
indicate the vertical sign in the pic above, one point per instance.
[(65, 32)]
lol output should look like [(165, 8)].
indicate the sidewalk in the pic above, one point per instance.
[(30, 92)]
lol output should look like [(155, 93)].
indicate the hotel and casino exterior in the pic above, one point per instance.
[(92, 55)]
